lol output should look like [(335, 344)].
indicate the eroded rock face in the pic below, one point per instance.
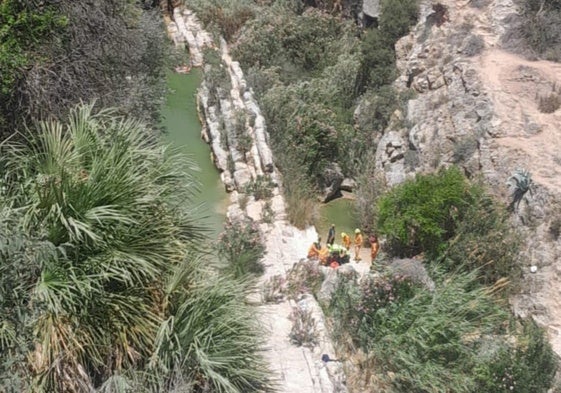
[(477, 106), (332, 179)]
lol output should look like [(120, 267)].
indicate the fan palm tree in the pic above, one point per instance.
[(110, 203)]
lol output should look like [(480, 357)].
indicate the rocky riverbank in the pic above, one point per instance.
[(230, 113)]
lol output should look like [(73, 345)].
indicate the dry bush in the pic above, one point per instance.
[(534, 31), (549, 103), (302, 206), (273, 289), (304, 277), (440, 14), (304, 332), (473, 46), (464, 148), (555, 228), (479, 3)]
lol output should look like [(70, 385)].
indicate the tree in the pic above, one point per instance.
[(55, 53), (112, 291)]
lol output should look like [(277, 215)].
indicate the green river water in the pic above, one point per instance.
[(184, 132), (340, 212)]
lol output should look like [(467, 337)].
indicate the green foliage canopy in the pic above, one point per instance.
[(420, 215), (101, 273), (455, 338), (241, 247), (23, 29)]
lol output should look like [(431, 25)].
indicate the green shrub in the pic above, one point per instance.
[(210, 339), (422, 214), (377, 46), (360, 307), (261, 187), (526, 366), (343, 310), (376, 109), (307, 131), (378, 61), (397, 17), (64, 52), (227, 16), (24, 28), (454, 339), (426, 341), (216, 77), (268, 215), (241, 247), (485, 241), (298, 42)]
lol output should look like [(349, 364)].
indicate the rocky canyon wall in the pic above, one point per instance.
[(477, 106)]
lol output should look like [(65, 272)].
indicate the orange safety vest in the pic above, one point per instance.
[(347, 241), (358, 239)]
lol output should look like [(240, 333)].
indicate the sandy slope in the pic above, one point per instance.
[(515, 85), (523, 137)]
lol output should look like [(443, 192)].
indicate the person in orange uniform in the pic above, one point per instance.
[(314, 250), (358, 244), (374, 246), (346, 241), (323, 255)]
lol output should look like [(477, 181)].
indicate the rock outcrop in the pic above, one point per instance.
[(476, 107), (235, 128), (371, 8)]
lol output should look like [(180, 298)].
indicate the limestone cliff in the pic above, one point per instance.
[(476, 106)]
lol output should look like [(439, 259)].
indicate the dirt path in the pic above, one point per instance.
[(515, 86), (296, 368)]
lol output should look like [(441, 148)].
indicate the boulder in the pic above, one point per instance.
[(348, 185), (371, 8), (331, 180), (242, 176), (261, 141), (414, 270), (331, 280)]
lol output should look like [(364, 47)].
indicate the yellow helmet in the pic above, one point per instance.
[(343, 234), (357, 230)]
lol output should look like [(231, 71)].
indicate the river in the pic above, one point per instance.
[(181, 122), (341, 212), (183, 131)]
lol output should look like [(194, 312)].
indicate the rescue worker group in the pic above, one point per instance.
[(335, 255)]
